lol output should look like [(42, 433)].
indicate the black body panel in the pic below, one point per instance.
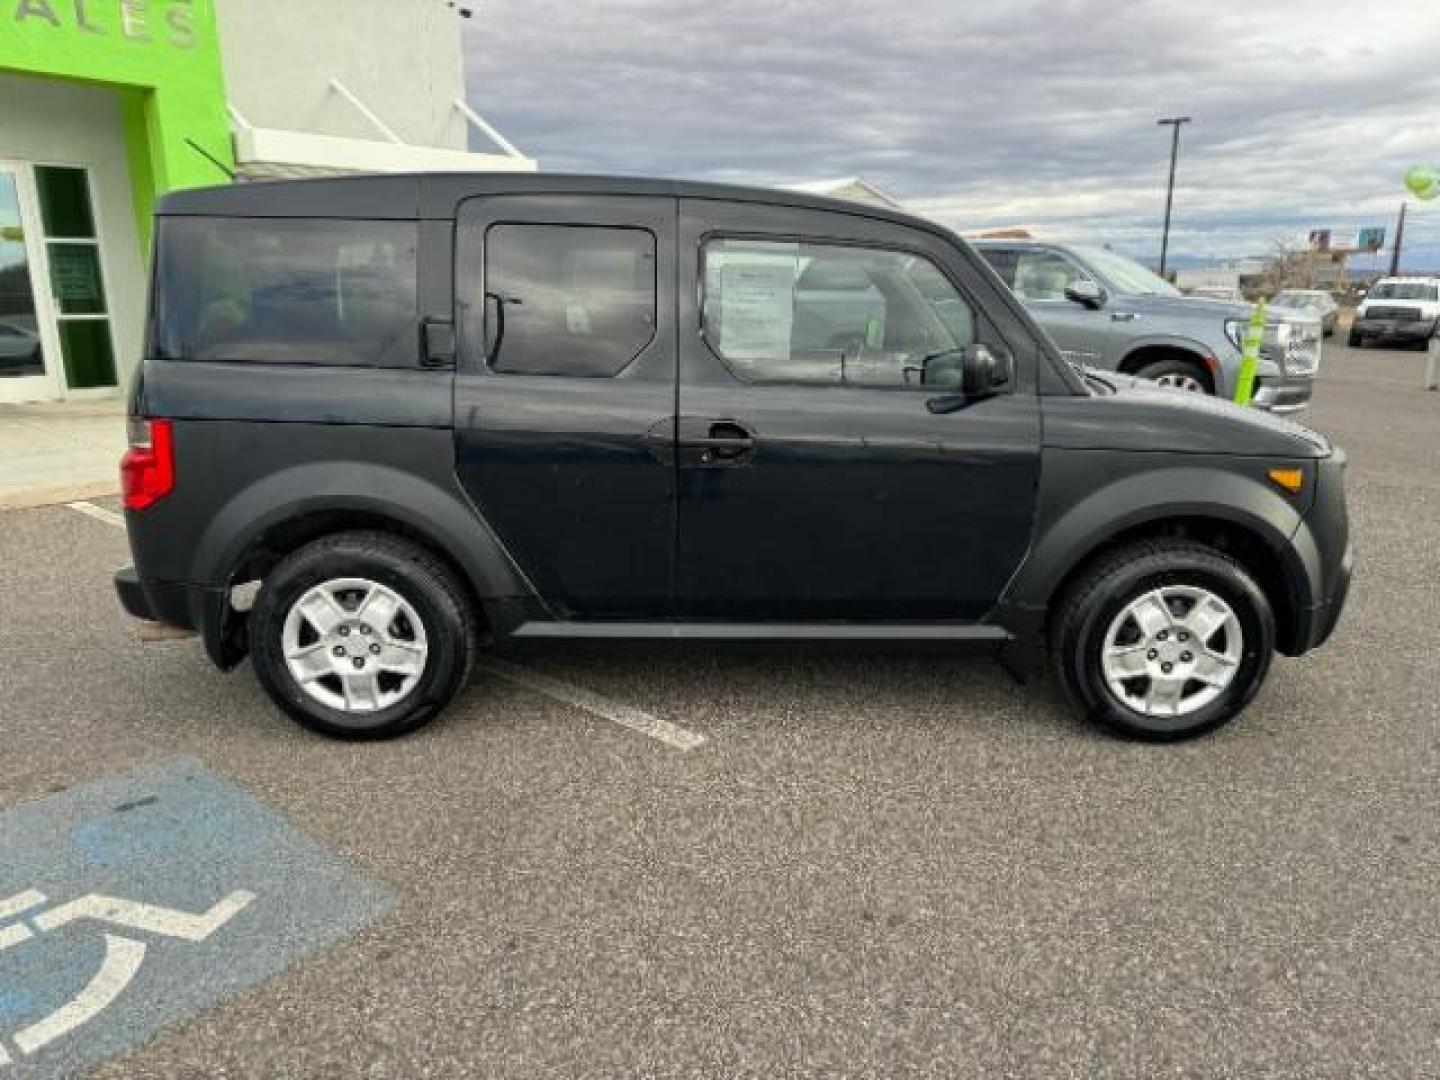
[(856, 503), (565, 468), (237, 479), (1147, 418)]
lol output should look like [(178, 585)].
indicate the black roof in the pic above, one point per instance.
[(435, 195)]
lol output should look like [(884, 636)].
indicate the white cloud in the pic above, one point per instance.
[(1306, 112)]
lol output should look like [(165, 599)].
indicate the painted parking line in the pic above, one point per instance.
[(99, 513), (145, 898), (625, 715)]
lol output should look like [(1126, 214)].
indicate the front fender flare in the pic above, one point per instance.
[(1151, 497)]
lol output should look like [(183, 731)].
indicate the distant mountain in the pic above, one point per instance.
[(1176, 260)]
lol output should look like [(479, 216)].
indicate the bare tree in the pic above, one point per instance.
[(1290, 264)]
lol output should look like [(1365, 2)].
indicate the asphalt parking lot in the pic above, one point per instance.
[(871, 865)]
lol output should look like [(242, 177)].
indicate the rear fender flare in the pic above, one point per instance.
[(443, 515)]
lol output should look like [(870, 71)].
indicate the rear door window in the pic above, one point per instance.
[(576, 300), (286, 291)]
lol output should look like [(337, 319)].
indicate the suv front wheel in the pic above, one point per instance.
[(1177, 374), (1163, 639), (362, 635)]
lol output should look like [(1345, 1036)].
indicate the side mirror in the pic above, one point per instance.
[(985, 371), (1086, 293)]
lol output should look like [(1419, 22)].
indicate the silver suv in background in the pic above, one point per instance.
[(1316, 301), (1107, 311)]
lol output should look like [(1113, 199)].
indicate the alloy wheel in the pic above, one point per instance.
[(354, 645), (1181, 381), (1172, 651)]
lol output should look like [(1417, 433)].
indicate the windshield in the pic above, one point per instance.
[(1404, 290), (1125, 276), (1297, 299)]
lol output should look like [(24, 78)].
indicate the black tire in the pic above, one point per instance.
[(1177, 366), (411, 572), (1103, 590), (1355, 341)]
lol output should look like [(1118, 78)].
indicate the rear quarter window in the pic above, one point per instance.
[(285, 291)]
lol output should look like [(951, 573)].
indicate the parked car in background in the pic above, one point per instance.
[(19, 349), (1107, 311), (613, 409), (1231, 293), (1399, 310), (1316, 301)]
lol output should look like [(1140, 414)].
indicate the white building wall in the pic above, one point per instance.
[(51, 122), (402, 58)]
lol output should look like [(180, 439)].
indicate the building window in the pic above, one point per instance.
[(833, 315), (72, 251), (573, 300)]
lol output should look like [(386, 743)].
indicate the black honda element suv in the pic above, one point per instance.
[(386, 422)]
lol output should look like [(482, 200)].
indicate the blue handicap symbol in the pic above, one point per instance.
[(144, 898)]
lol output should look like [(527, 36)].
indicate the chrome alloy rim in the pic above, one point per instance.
[(354, 645), (1172, 651), (1182, 382)]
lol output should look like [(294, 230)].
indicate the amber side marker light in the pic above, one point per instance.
[(1292, 480)]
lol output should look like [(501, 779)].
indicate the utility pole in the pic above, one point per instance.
[(1399, 238), (1174, 122)]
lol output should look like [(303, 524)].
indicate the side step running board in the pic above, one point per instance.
[(728, 631)]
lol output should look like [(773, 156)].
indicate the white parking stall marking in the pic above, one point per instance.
[(14, 935), (20, 902), (99, 513), (122, 961), (155, 920), (625, 715)]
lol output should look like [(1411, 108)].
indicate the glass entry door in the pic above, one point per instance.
[(77, 286), (29, 354)]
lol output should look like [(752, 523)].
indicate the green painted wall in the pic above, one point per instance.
[(163, 55)]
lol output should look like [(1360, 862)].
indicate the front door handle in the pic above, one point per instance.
[(714, 442)]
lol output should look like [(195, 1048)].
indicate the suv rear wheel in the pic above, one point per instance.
[(1163, 639), (1177, 373), (362, 635)]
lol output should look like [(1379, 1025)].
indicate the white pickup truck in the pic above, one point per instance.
[(1404, 310)]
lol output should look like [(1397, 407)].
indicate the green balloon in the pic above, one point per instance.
[(1423, 181)]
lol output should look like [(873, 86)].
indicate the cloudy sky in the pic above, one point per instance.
[(1039, 112)]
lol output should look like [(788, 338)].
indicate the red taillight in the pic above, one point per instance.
[(147, 471)]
